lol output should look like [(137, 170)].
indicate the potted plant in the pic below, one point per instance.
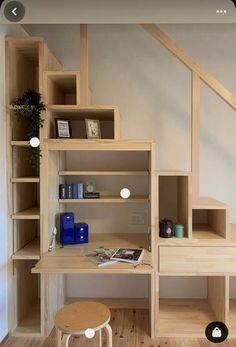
[(31, 106)]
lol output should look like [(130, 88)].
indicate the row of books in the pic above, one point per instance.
[(76, 191), (71, 191)]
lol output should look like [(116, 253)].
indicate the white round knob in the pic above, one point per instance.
[(89, 333), (125, 193), (34, 142)]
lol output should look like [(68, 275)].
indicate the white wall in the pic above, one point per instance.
[(152, 90), (4, 30)]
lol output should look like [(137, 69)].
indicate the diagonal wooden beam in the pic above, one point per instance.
[(191, 64)]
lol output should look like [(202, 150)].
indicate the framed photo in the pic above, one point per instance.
[(63, 128), (93, 130)]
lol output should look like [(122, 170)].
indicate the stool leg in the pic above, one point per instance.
[(58, 337), (109, 335), (65, 340), (100, 337)]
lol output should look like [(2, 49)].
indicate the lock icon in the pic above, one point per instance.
[(216, 332)]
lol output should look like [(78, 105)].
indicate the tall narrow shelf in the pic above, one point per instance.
[(174, 198), (26, 59)]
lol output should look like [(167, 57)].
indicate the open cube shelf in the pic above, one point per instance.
[(189, 316), (174, 199), (26, 235), (62, 88), (23, 75), (27, 314), (210, 223), (108, 118)]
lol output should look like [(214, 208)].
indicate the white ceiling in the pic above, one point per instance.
[(126, 11)]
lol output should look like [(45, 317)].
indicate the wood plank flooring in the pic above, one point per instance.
[(130, 329)]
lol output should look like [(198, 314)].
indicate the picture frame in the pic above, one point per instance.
[(63, 128), (93, 130)]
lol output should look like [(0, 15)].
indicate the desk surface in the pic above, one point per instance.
[(72, 258)]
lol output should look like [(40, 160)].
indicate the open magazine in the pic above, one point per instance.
[(127, 255), (102, 257)]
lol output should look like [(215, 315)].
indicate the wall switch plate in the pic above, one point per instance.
[(138, 218)]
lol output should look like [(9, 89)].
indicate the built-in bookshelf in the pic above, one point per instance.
[(26, 59)]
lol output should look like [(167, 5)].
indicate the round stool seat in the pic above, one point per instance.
[(77, 317)]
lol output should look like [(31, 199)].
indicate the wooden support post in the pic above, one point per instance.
[(195, 134), (84, 97), (217, 296)]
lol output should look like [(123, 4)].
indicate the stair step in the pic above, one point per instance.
[(206, 203)]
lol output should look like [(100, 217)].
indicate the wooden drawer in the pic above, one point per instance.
[(197, 259)]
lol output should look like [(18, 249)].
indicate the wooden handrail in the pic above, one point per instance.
[(191, 64)]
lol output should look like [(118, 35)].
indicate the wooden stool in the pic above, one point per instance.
[(76, 318)]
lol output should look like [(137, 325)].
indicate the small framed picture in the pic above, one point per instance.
[(63, 128), (93, 130)]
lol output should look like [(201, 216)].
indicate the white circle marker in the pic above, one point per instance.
[(89, 333), (125, 193), (34, 142)]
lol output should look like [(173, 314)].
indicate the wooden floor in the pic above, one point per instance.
[(130, 329)]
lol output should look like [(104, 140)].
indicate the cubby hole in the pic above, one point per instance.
[(62, 88), (209, 223), (25, 196), (19, 127), (110, 161), (21, 167), (174, 200), (188, 304), (24, 71), (77, 118), (26, 235), (27, 298)]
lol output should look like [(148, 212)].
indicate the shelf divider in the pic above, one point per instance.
[(31, 251), (103, 173), (108, 199), (29, 213)]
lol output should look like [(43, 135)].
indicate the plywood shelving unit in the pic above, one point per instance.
[(36, 277)]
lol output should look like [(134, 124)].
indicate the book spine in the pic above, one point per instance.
[(80, 190), (62, 191), (69, 191), (74, 191)]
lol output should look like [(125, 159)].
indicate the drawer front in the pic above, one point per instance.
[(197, 259)]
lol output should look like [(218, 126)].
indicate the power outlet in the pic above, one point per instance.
[(138, 219)]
